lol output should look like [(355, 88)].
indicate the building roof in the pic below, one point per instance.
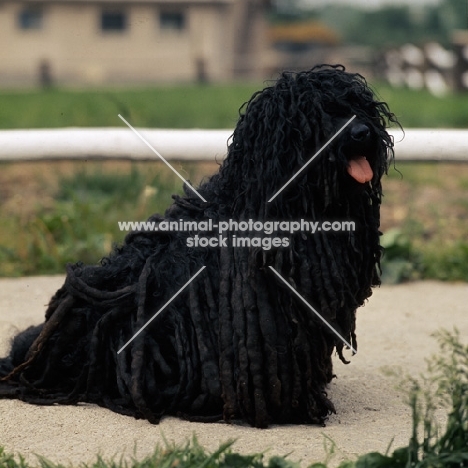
[(303, 32)]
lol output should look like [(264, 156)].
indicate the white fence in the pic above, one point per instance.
[(193, 145)]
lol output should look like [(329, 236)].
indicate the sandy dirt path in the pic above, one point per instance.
[(394, 330)]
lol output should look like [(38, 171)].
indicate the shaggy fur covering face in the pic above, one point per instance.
[(236, 343)]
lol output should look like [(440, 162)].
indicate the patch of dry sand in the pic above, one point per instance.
[(394, 329)]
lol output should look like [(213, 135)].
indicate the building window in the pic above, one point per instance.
[(29, 18), (113, 21), (172, 21)]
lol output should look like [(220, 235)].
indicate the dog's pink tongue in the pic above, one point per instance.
[(360, 170)]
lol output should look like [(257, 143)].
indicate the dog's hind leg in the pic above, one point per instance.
[(19, 348)]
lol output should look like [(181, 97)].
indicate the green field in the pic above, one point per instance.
[(193, 106), (420, 109), (188, 106)]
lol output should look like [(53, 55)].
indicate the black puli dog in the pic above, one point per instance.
[(235, 343)]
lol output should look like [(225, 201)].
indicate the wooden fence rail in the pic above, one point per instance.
[(192, 145)]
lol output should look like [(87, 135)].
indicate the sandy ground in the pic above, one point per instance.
[(394, 330)]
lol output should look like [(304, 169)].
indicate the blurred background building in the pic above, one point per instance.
[(129, 41), (420, 43)]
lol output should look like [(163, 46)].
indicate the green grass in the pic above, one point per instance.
[(193, 106), (82, 223), (445, 384), (419, 108), (191, 455), (424, 214), (419, 174), (190, 106)]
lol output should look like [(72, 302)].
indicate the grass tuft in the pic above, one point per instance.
[(189, 455), (444, 384)]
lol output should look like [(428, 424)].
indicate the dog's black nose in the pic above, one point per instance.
[(360, 132)]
